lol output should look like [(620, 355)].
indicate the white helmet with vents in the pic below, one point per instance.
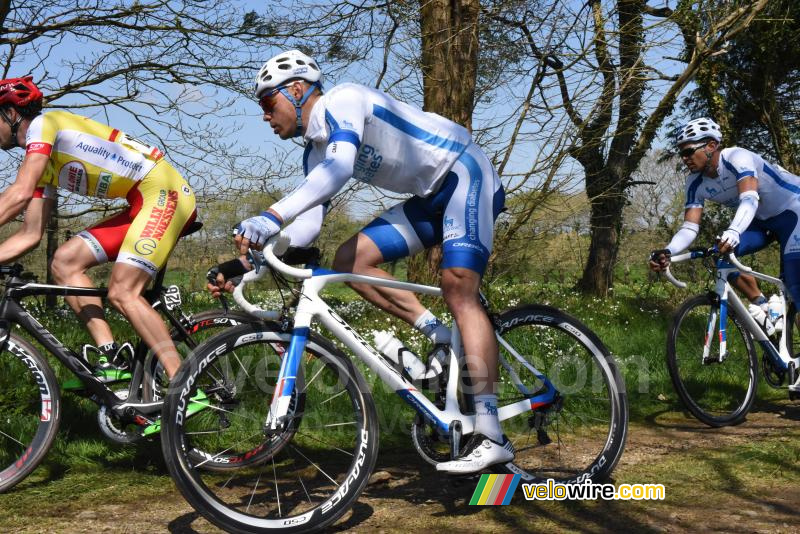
[(698, 129), (289, 65)]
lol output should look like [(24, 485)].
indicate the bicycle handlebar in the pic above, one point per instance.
[(276, 246), (730, 257)]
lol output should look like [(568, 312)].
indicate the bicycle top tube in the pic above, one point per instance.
[(277, 245)]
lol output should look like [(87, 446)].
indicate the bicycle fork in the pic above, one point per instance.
[(279, 407)]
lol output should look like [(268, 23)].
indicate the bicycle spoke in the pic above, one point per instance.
[(13, 439), (314, 464)]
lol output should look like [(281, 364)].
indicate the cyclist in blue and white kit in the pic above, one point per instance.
[(766, 198), (352, 131)]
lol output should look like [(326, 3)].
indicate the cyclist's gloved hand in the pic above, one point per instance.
[(226, 276), (257, 230), (728, 241), (659, 259)]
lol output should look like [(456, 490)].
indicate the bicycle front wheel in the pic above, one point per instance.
[(581, 435), (201, 326), (30, 410), (718, 393), (303, 477)]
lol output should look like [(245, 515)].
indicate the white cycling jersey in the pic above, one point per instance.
[(355, 131), (778, 189)]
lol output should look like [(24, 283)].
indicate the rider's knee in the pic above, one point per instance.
[(64, 265), (460, 287), (120, 297)]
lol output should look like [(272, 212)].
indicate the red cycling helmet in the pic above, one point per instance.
[(21, 93)]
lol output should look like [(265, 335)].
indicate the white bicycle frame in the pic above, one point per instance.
[(311, 306), (728, 297)]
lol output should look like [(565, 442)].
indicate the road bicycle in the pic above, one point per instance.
[(711, 346), (310, 450), (30, 395)]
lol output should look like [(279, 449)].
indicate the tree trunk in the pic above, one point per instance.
[(449, 31), (607, 200), (771, 117), (52, 244)]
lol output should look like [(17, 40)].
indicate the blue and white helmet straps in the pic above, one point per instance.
[(298, 105)]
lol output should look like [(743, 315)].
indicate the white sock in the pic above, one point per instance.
[(432, 327), (486, 421)]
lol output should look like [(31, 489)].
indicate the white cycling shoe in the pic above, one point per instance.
[(480, 454), (795, 388)]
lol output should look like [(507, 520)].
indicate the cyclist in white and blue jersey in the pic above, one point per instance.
[(766, 198), (352, 131)]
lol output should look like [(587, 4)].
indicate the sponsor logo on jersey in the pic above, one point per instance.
[(103, 183), (72, 177), (145, 246), (106, 154), (160, 217), (94, 149), (39, 148), (368, 162)]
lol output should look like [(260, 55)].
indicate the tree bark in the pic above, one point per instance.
[(449, 30), (52, 244)]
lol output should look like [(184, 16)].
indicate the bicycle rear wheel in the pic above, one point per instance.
[(716, 393), (582, 434), (297, 480), (30, 410)]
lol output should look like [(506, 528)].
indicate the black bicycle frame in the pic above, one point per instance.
[(12, 312)]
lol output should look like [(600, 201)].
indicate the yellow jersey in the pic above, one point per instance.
[(87, 157)]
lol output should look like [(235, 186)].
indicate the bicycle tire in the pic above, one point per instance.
[(30, 410), (717, 394), (582, 435), (308, 495)]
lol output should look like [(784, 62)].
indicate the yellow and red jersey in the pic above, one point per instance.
[(87, 157)]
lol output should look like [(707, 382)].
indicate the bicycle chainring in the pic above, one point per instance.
[(774, 378), (112, 428)]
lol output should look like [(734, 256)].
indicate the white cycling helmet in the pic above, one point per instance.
[(289, 65), (698, 129)]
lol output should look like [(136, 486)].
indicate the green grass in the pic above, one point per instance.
[(632, 324)]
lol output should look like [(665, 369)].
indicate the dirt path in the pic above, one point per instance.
[(716, 479)]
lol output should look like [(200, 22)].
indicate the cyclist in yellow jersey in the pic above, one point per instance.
[(67, 151)]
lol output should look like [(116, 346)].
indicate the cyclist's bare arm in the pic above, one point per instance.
[(14, 199), (30, 233)]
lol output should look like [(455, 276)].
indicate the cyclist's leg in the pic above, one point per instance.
[(168, 205), (90, 247), (468, 232), (360, 255), (755, 238), (403, 230), (786, 226)]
